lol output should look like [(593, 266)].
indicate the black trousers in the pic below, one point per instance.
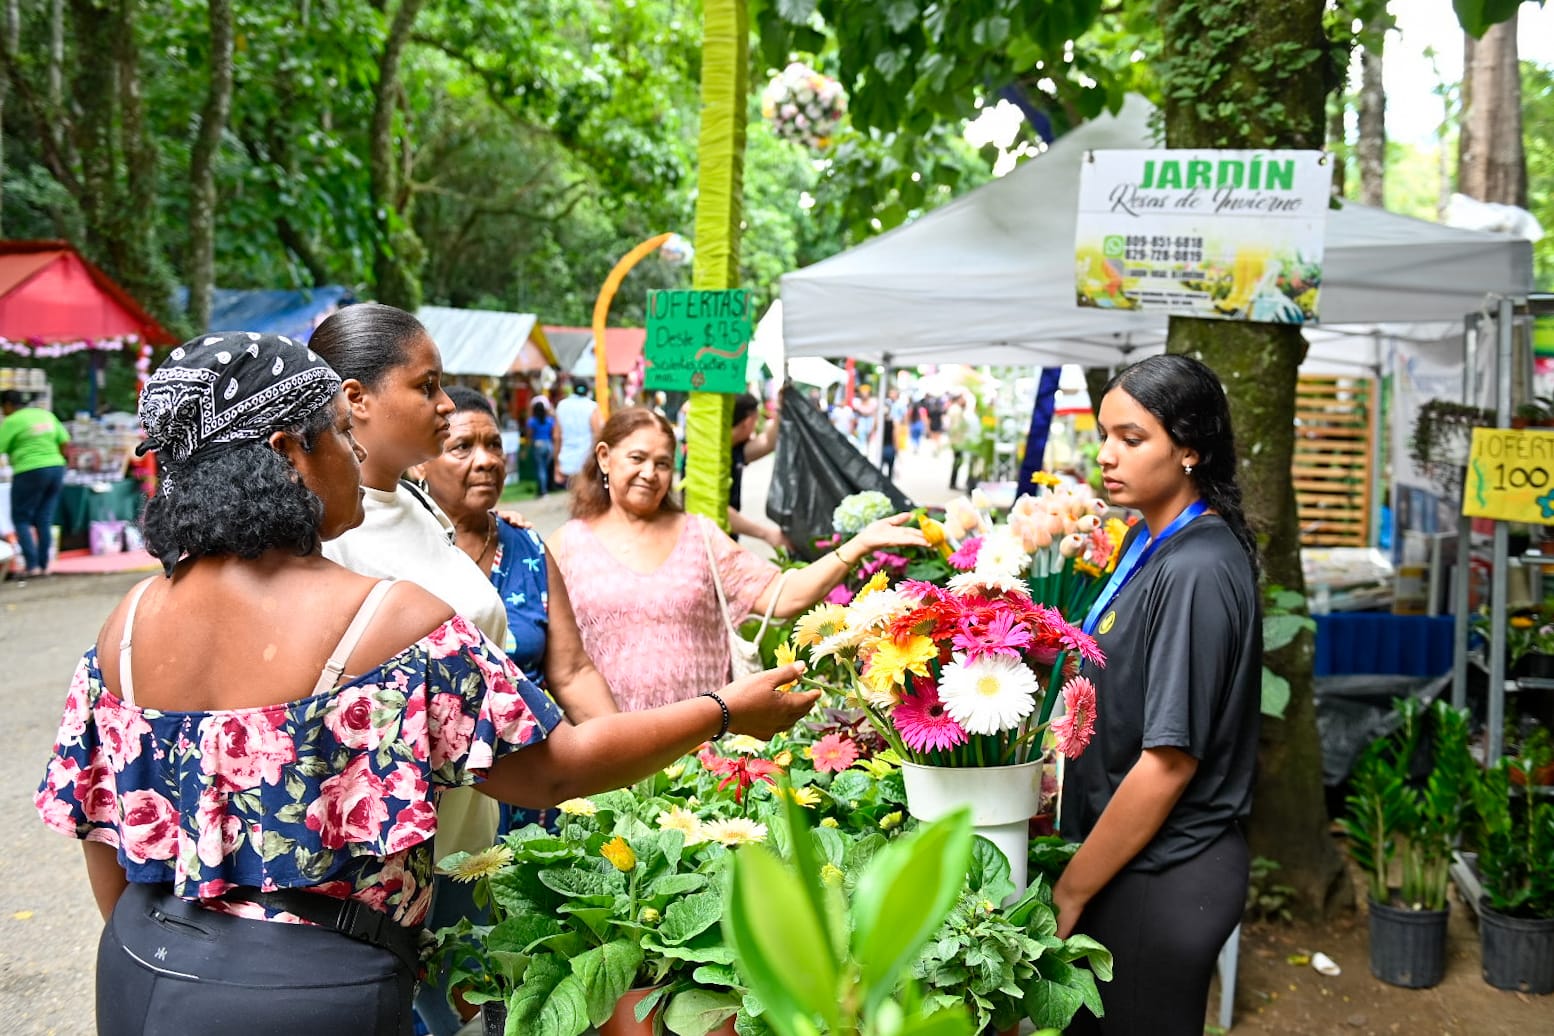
[(166, 967), (1165, 929)]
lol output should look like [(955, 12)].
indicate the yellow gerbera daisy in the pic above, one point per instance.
[(786, 656), (578, 807), (878, 581), (892, 660), (474, 866), (890, 821), (820, 622), (829, 822), (1046, 478), (674, 770), (619, 852), (783, 759), (881, 765), (806, 796)]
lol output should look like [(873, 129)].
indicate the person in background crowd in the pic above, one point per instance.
[(934, 405), (919, 424), (888, 443), (542, 433), (748, 447), (577, 423), (842, 416), (1159, 797), (33, 437), (963, 429), (629, 542), (190, 745), (867, 409)]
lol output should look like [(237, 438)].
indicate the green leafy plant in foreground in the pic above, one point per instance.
[(818, 963)]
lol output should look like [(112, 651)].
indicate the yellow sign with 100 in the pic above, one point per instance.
[(1511, 475)]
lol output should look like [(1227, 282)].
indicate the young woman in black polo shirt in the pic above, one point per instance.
[(1159, 796)]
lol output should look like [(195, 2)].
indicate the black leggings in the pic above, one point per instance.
[(1165, 929), (167, 967)]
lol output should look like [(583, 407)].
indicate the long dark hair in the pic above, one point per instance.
[(366, 341), (1186, 397), (590, 498)]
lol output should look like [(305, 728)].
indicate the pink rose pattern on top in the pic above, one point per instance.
[(336, 792)]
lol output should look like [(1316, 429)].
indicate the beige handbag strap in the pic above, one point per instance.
[(717, 580)]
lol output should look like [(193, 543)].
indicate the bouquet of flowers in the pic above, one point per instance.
[(804, 106), (954, 676)]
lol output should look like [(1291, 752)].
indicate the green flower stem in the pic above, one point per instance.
[(1054, 686)]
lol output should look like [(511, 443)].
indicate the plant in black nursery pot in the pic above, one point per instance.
[(1393, 819), (1515, 829)]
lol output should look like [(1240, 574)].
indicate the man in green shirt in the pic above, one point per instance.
[(32, 438)]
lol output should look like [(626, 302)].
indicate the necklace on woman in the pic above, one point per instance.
[(490, 537)]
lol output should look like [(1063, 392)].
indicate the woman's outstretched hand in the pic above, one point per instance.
[(758, 704), (887, 532)]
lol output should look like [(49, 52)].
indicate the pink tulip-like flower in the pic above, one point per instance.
[(1076, 726)]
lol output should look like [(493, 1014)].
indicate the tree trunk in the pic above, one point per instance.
[(397, 264), (13, 33), (1210, 51), (1371, 148), (1491, 165), (202, 167), (1338, 144)]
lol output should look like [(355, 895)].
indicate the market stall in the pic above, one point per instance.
[(53, 303)]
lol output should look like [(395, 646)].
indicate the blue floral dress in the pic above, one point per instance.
[(335, 793)]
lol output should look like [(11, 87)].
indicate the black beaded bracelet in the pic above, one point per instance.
[(726, 718)]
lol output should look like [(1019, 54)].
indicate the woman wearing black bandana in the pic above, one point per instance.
[(1159, 796), (253, 751)]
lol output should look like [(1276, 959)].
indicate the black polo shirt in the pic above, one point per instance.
[(1184, 653)]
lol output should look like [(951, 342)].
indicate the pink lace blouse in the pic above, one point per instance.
[(658, 638)]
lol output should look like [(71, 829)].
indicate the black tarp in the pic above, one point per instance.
[(816, 467)]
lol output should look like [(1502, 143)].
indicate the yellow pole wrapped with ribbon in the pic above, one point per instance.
[(606, 295), (719, 202)]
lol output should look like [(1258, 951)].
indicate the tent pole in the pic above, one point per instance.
[(1495, 735), (1462, 575)]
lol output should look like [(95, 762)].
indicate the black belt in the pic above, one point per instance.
[(349, 917)]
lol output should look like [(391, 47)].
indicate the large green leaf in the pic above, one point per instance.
[(690, 916), (904, 896), (696, 1012), (773, 927), (1479, 16), (594, 888), (677, 884), (549, 1003), (1275, 694), (605, 974)]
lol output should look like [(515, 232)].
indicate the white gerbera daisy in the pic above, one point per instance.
[(685, 822), (1002, 554), (734, 831), (875, 610), (988, 694), (578, 807), (839, 643), (744, 744), (978, 578)]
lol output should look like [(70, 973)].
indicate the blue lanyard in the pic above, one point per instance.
[(1138, 552)]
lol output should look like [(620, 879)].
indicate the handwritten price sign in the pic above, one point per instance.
[(1511, 476), (698, 341)]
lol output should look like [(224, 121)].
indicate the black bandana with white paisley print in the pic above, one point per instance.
[(231, 387)]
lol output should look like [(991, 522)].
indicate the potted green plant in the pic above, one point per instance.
[(1391, 818), (1515, 829), (605, 906), (1443, 432)]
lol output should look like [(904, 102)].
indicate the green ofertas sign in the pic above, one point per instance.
[(698, 341)]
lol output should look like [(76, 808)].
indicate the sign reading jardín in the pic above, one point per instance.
[(1511, 475), (697, 341), (1233, 235)]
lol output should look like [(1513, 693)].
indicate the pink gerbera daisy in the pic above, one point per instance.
[(965, 558), (1004, 634), (833, 753), (1076, 726), (922, 721)]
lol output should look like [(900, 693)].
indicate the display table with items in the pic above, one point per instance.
[(99, 506)]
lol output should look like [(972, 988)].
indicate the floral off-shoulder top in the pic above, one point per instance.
[(335, 793)]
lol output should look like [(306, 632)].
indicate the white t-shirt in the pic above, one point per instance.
[(575, 414), (402, 538)]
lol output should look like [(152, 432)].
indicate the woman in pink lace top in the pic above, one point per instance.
[(639, 572)]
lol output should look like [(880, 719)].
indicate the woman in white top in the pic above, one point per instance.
[(391, 376)]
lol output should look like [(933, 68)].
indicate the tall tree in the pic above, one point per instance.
[(1491, 164), (397, 265), (1271, 66), (1370, 150), (201, 268)]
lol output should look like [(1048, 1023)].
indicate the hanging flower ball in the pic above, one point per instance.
[(804, 106)]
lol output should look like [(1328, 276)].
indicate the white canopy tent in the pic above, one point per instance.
[(989, 278), (486, 342)]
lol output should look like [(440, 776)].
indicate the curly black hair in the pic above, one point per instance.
[(241, 500)]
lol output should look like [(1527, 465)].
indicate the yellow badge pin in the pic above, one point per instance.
[(1107, 623)]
